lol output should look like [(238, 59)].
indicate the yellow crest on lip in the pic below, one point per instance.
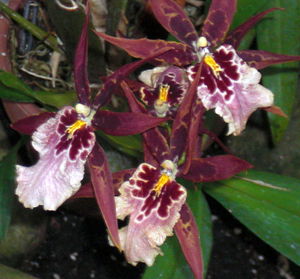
[(211, 62), (162, 181), (163, 93), (75, 126)]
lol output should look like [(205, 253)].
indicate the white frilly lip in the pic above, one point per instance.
[(140, 240), (54, 178), (247, 94)]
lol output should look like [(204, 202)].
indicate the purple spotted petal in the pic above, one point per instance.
[(58, 173), (172, 17), (152, 217), (218, 21), (235, 37), (235, 92)]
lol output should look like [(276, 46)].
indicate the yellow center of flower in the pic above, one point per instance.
[(211, 62), (163, 93), (75, 126), (162, 181)]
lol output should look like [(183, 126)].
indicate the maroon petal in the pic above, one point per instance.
[(260, 59), (218, 20), (196, 117), (180, 128), (188, 236), (124, 123), (148, 157), (172, 17), (101, 178), (179, 54), (276, 110), (80, 63), (85, 191), (235, 37), (29, 124), (215, 168)]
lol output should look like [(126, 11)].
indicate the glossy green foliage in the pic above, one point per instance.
[(7, 183), (279, 33), (130, 145), (11, 273), (14, 89), (173, 264), (268, 204)]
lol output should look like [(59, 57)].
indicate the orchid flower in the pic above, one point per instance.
[(163, 89), (229, 81), (65, 141)]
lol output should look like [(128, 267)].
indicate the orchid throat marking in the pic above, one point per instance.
[(204, 53), (86, 116), (168, 173)]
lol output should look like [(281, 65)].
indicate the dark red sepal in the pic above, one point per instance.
[(29, 124), (188, 236), (101, 179), (218, 20), (276, 110), (172, 17), (197, 113), (235, 36), (180, 128), (85, 191), (80, 63), (215, 168), (260, 59), (124, 123), (180, 54)]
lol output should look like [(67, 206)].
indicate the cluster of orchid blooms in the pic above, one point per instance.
[(167, 105)]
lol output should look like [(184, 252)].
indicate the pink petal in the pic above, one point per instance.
[(152, 217), (235, 93), (58, 173)]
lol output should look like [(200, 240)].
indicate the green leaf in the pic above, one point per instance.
[(279, 33), (11, 273), (7, 183), (268, 204), (14, 89), (130, 145), (172, 265)]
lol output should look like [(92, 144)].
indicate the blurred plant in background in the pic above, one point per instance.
[(155, 110)]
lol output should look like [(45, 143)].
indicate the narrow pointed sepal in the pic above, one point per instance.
[(218, 20), (102, 183), (179, 54), (235, 37), (29, 124), (80, 63), (261, 59), (124, 123), (215, 168), (58, 173), (188, 236), (152, 214), (172, 17)]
